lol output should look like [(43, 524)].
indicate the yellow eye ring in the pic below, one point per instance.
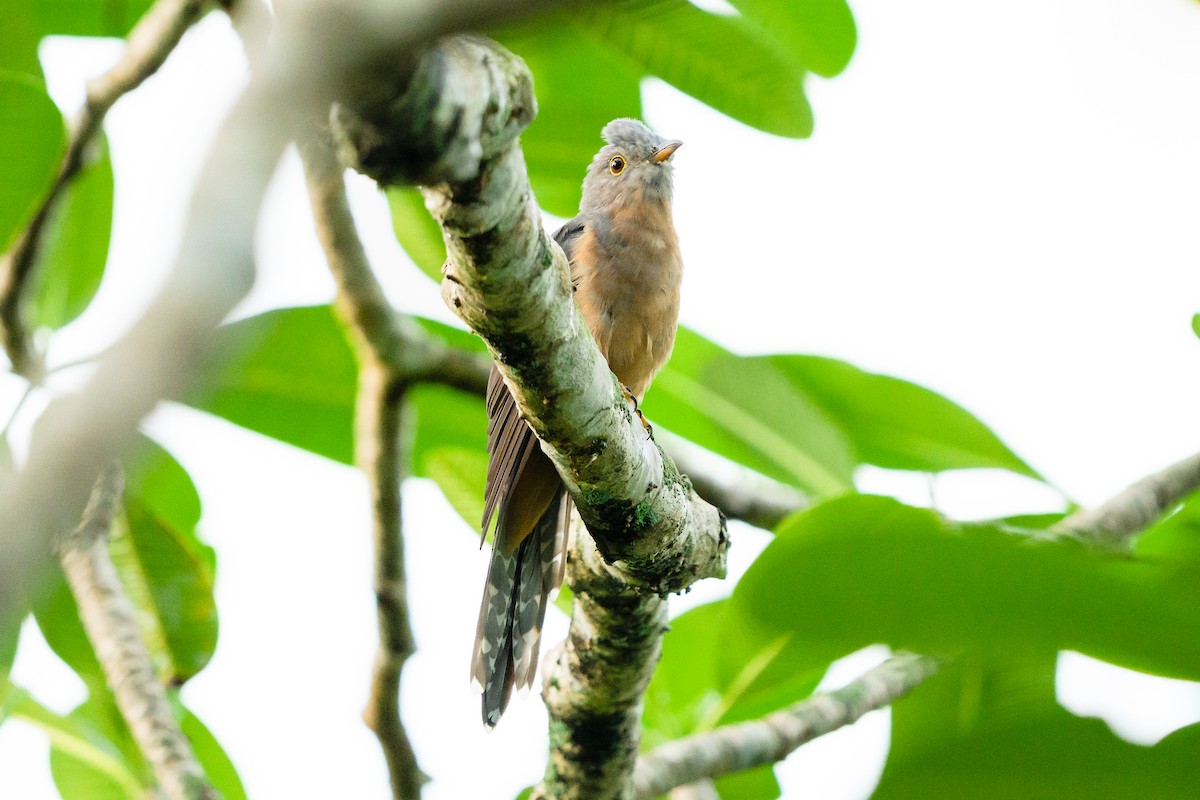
[(616, 165)]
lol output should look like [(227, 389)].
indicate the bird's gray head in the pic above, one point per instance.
[(634, 167)]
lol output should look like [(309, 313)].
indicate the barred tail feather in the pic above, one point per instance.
[(513, 610)]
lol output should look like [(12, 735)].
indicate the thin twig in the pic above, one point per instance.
[(110, 620), (745, 745), (1113, 524), (150, 42), (378, 439)]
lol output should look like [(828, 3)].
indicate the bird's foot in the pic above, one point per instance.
[(637, 410)]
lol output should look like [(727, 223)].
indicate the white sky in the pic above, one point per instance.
[(999, 202)]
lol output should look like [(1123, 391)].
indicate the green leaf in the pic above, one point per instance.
[(861, 570), (87, 17), (218, 767), (450, 446), (746, 410), (107, 730), (581, 86), (165, 570), (897, 424), (460, 474), (754, 784), (75, 246), (31, 144), (716, 669), (1174, 538), (722, 61), (168, 572), (77, 741), (57, 617), (1196, 324), (819, 33), (417, 231), (288, 374), (986, 729), (19, 37)]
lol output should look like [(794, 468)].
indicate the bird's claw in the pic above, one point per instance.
[(637, 410)]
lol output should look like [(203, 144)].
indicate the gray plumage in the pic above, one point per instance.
[(626, 270)]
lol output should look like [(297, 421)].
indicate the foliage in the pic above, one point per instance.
[(851, 571)]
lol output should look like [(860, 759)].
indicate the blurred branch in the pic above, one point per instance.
[(1113, 524), (150, 42), (375, 329), (324, 47), (745, 745), (700, 790), (111, 623), (740, 492)]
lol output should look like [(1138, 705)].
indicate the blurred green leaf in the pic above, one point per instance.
[(861, 570), (32, 138), (715, 669), (169, 572), (19, 37), (753, 784), (746, 410), (985, 730), (896, 424), (75, 245), (581, 86), (1174, 538), (819, 33), (417, 231), (81, 779), (450, 446), (106, 729), (288, 374), (76, 739), (87, 17), (166, 571), (57, 617), (722, 61), (1196, 324), (460, 474), (218, 767)]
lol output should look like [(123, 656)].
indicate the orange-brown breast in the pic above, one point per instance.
[(627, 281)]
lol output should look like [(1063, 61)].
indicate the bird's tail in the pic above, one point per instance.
[(514, 606)]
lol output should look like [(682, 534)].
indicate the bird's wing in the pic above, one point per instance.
[(532, 512), (512, 447)]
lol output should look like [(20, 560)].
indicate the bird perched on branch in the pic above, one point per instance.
[(626, 270)]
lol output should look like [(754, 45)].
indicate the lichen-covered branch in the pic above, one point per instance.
[(150, 42), (1116, 522), (745, 745), (378, 438), (110, 621), (649, 532)]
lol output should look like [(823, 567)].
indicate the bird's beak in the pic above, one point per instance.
[(663, 153)]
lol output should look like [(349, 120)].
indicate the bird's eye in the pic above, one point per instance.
[(617, 165)]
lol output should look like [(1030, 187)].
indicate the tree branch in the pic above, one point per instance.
[(745, 745), (150, 42), (111, 623), (381, 350), (454, 128), (1115, 523)]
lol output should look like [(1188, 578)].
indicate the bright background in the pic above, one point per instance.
[(1000, 202)]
